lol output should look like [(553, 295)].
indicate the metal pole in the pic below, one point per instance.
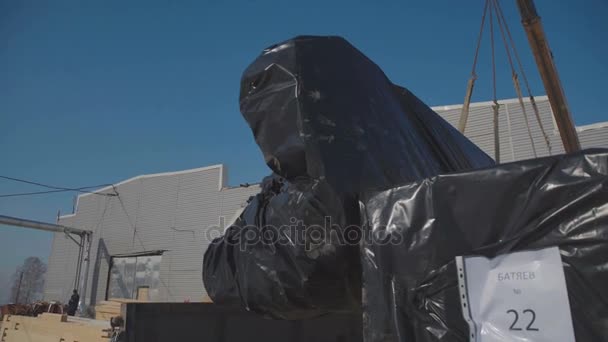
[(18, 288), (85, 276), (79, 264), (49, 227), (86, 240)]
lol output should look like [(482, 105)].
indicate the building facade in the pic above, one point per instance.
[(514, 139), (148, 241)]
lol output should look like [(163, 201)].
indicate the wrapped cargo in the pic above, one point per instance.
[(330, 126), (516, 252), (318, 108), (284, 256)]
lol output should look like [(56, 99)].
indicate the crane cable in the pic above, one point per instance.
[(493, 6), (495, 106), (464, 115), (523, 74), (514, 76)]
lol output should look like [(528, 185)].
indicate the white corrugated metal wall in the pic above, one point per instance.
[(515, 143), (171, 212), (595, 135)]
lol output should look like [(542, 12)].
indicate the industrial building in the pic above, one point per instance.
[(148, 240), (515, 143), (152, 236)]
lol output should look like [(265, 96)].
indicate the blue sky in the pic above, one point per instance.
[(94, 92)]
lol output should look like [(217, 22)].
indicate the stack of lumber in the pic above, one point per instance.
[(52, 328), (107, 309)]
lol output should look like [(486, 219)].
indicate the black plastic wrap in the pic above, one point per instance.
[(320, 109), (283, 257), (410, 284), (330, 125)]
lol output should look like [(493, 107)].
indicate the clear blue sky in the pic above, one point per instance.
[(99, 91)]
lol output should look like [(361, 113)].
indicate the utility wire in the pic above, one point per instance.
[(124, 209), (81, 189), (31, 193), (141, 243), (46, 192)]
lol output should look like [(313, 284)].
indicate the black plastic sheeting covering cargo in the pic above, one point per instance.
[(411, 290), (330, 126), (320, 109), (280, 266)]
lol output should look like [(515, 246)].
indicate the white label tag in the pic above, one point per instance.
[(520, 296)]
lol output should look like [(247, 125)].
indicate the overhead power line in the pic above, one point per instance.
[(32, 193), (48, 192), (133, 226), (55, 188), (135, 233)]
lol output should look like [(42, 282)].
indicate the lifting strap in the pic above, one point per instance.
[(514, 76), (493, 7), (523, 74), (496, 106), (464, 114)]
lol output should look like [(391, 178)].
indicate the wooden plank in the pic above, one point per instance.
[(54, 317), (142, 293), (104, 316), (106, 309), (126, 300)]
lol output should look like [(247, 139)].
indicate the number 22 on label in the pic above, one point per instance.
[(529, 327)]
